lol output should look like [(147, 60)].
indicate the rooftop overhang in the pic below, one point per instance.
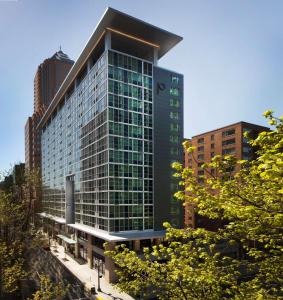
[(120, 24), (54, 218), (66, 239), (119, 236), (109, 237), (128, 25)]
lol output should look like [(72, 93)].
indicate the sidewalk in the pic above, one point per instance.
[(87, 276)]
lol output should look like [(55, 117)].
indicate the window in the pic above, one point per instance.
[(174, 127), (174, 139), (247, 150), (174, 79), (174, 151), (212, 137), (230, 169), (229, 151), (147, 82), (228, 142), (246, 156), (174, 103), (174, 91), (201, 141), (200, 172), (147, 68), (201, 156), (212, 146), (200, 148), (174, 115), (82, 235), (228, 132), (212, 154), (248, 131)]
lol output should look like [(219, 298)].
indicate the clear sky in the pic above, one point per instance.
[(231, 56)]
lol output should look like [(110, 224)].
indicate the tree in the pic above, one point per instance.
[(11, 268), (11, 244), (190, 264), (16, 233), (49, 290)]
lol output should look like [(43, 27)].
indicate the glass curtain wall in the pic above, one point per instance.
[(102, 134), (130, 143)]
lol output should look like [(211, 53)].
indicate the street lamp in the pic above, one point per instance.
[(98, 275)]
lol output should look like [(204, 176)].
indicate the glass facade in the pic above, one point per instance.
[(102, 133)]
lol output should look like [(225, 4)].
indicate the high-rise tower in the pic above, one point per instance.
[(49, 76), (109, 137)]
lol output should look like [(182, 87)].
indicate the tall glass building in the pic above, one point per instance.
[(108, 140)]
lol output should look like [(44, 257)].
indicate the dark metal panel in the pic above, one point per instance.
[(163, 199)]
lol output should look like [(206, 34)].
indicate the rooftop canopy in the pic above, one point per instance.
[(123, 23), (117, 23)]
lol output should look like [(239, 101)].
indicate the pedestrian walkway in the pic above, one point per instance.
[(87, 276)]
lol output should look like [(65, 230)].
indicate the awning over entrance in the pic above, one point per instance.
[(66, 239), (56, 219)]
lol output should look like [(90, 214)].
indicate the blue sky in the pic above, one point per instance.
[(231, 56)]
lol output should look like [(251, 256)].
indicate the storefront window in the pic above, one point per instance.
[(83, 252), (98, 262)]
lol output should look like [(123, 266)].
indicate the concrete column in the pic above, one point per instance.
[(155, 56), (70, 200), (137, 245), (77, 248), (53, 230), (88, 64), (89, 251), (107, 40), (110, 275)]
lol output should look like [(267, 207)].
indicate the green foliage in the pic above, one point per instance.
[(11, 244), (49, 290), (184, 268), (16, 232), (191, 263), (11, 267)]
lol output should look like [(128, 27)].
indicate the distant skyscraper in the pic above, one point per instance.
[(48, 78), (222, 141), (108, 140)]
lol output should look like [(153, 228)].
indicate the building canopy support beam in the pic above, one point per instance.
[(107, 40)]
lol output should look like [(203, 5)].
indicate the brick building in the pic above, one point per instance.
[(222, 141), (49, 76), (32, 142)]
